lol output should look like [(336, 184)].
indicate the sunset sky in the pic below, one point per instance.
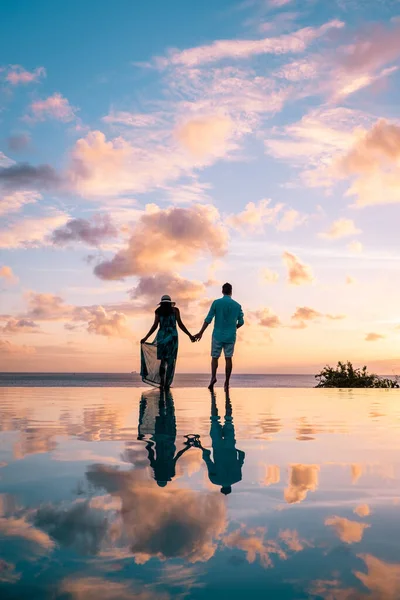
[(151, 148)]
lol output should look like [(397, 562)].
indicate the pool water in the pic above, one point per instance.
[(118, 493)]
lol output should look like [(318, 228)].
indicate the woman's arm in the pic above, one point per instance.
[(152, 330), (181, 325)]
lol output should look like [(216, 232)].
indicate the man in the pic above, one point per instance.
[(228, 318), (226, 468)]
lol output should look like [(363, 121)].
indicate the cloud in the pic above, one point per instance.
[(206, 135), (13, 201), (356, 472), (291, 219), (355, 247), (279, 3), (16, 143), (20, 326), (374, 337), (243, 49), (268, 276), (164, 239), (31, 232), (46, 307), (316, 143), (340, 228), (54, 107), (8, 275), (7, 572), (292, 540), (149, 513), (24, 175), (130, 119), (109, 324), (372, 49), (266, 318), (374, 162), (254, 216), (91, 232), (305, 313), (19, 528), (350, 532), (99, 588), (183, 291), (18, 75), (7, 348), (298, 273), (303, 478), (254, 544), (272, 475), (362, 510), (382, 578), (101, 168)]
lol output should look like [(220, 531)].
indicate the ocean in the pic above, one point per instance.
[(182, 380)]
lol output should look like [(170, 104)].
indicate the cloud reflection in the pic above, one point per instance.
[(303, 478)]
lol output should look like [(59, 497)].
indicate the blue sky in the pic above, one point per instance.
[(173, 146)]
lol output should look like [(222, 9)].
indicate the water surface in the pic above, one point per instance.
[(114, 493)]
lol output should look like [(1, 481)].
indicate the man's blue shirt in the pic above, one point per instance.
[(228, 314)]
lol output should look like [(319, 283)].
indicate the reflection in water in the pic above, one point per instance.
[(146, 525), (303, 478), (226, 467), (161, 446)]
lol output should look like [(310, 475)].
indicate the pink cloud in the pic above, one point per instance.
[(298, 272), (183, 291), (8, 275), (92, 232), (18, 75), (255, 216), (205, 135), (14, 326), (164, 239), (373, 49), (108, 323), (54, 107), (267, 318), (242, 49), (374, 337), (340, 228), (14, 201), (7, 347), (31, 232)]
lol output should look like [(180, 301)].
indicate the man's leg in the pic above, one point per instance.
[(228, 371), (214, 367)]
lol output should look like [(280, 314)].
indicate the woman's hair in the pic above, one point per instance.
[(165, 309)]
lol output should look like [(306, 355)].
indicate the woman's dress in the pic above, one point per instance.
[(164, 349)]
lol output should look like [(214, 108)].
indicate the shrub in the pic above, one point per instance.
[(346, 376)]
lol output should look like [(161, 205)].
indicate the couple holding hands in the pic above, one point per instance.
[(158, 359)]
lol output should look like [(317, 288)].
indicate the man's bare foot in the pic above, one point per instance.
[(212, 383)]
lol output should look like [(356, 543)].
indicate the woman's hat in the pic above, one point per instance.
[(167, 299)]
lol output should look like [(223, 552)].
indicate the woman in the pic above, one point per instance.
[(167, 316)]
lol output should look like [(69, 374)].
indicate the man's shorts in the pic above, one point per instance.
[(216, 348)]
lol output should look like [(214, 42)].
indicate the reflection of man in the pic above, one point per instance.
[(161, 446), (226, 468)]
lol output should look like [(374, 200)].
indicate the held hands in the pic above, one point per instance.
[(198, 336)]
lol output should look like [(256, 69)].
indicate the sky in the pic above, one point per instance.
[(167, 147)]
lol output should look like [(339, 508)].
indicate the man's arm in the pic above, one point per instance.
[(240, 321), (207, 321)]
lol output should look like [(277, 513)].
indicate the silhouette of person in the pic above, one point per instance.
[(226, 467), (161, 445)]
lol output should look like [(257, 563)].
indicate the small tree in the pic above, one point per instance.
[(346, 376)]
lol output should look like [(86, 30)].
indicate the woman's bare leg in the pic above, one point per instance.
[(214, 367)]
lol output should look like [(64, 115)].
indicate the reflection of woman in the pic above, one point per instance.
[(167, 316), (161, 446)]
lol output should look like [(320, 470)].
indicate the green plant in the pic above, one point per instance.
[(346, 376)]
